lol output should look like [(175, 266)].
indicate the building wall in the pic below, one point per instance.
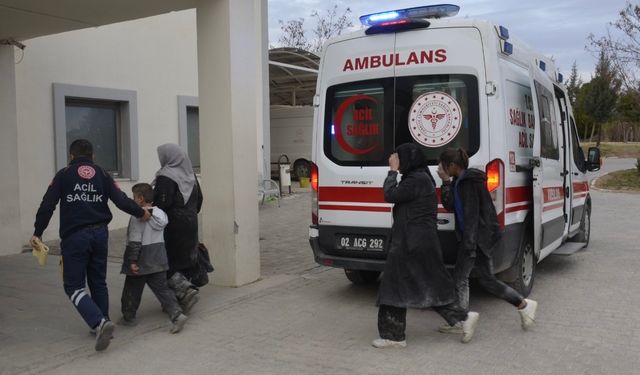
[(156, 57)]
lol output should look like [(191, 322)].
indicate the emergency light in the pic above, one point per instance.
[(409, 14)]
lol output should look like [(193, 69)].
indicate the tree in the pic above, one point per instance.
[(327, 25), (623, 52), (573, 85), (603, 93), (293, 34)]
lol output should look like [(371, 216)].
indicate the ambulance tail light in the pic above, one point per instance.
[(495, 185), (314, 194)]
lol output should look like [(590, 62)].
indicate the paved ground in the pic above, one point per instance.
[(302, 318)]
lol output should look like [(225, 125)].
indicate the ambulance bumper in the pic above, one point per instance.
[(321, 257)]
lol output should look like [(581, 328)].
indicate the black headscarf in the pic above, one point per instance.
[(411, 158)]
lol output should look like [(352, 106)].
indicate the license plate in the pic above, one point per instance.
[(359, 242)]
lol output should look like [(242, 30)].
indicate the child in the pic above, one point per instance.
[(145, 262)]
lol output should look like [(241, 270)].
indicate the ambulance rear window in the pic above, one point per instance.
[(358, 120), (366, 120), (438, 112)]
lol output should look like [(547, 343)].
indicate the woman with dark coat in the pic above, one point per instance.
[(178, 193), (464, 191), (414, 273)]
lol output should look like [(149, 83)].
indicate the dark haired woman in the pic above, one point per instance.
[(464, 190), (414, 274)]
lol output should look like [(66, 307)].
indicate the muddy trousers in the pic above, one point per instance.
[(392, 322), (84, 253), (482, 267), (157, 282)]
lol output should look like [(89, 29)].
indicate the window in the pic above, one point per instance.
[(365, 121), (356, 130), (578, 154), (105, 117), (549, 128), (189, 128), (98, 122), (460, 89)]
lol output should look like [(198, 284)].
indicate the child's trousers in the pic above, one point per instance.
[(132, 293)]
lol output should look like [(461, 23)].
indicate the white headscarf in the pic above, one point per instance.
[(175, 164)]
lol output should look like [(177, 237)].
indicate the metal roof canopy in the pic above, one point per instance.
[(293, 74)]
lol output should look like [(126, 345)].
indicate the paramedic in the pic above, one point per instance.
[(478, 231), (83, 189)]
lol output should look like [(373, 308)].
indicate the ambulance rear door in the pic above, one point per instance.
[(445, 91), (548, 169)]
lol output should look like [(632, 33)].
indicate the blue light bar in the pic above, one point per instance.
[(503, 33), (543, 66), (430, 11)]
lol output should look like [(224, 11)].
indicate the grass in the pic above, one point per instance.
[(627, 180), (617, 149)]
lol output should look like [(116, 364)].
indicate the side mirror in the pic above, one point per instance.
[(593, 159)]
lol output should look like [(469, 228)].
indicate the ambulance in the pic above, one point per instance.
[(419, 75)]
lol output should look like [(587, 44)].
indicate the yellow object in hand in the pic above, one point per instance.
[(40, 251)]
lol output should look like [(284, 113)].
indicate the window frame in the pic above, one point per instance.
[(184, 102), (128, 123)]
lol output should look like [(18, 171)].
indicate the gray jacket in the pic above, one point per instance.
[(145, 244)]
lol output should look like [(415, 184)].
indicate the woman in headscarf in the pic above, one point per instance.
[(177, 192), (414, 274)]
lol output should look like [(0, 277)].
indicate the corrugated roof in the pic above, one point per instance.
[(288, 85)]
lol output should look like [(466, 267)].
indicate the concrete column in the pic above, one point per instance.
[(9, 183), (229, 62), (264, 133)]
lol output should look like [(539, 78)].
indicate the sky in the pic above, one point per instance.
[(557, 28)]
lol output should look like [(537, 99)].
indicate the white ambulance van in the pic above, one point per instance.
[(415, 75)]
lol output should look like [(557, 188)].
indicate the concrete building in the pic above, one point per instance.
[(132, 77)]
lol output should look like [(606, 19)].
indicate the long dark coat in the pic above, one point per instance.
[(414, 274), (481, 228), (181, 234)]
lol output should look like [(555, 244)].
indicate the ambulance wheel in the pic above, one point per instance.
[(585, 227), (525, 266), (360, 277), (301, 168)]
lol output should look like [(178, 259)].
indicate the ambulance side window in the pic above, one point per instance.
[(549, 126), (357, 129), (578, 154)]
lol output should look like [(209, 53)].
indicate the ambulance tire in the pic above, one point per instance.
[(585, 226), (361, 277), (301, 168), (525, 266)]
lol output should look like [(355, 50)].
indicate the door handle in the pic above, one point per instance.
[(576, 174)]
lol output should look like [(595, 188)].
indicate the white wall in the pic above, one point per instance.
[(155, 56)]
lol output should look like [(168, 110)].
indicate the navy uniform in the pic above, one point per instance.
[(83, 190)]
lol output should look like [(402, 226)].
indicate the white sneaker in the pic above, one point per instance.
[(178, 323), (384, 343), (469, 326), (456, 328), (528, 314)]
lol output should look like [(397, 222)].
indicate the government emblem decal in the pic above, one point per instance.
[(86, 171), (435, 119)]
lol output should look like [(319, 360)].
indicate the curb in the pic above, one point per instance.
[(592, 184)]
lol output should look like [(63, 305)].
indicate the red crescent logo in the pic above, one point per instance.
[(339, 114)]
